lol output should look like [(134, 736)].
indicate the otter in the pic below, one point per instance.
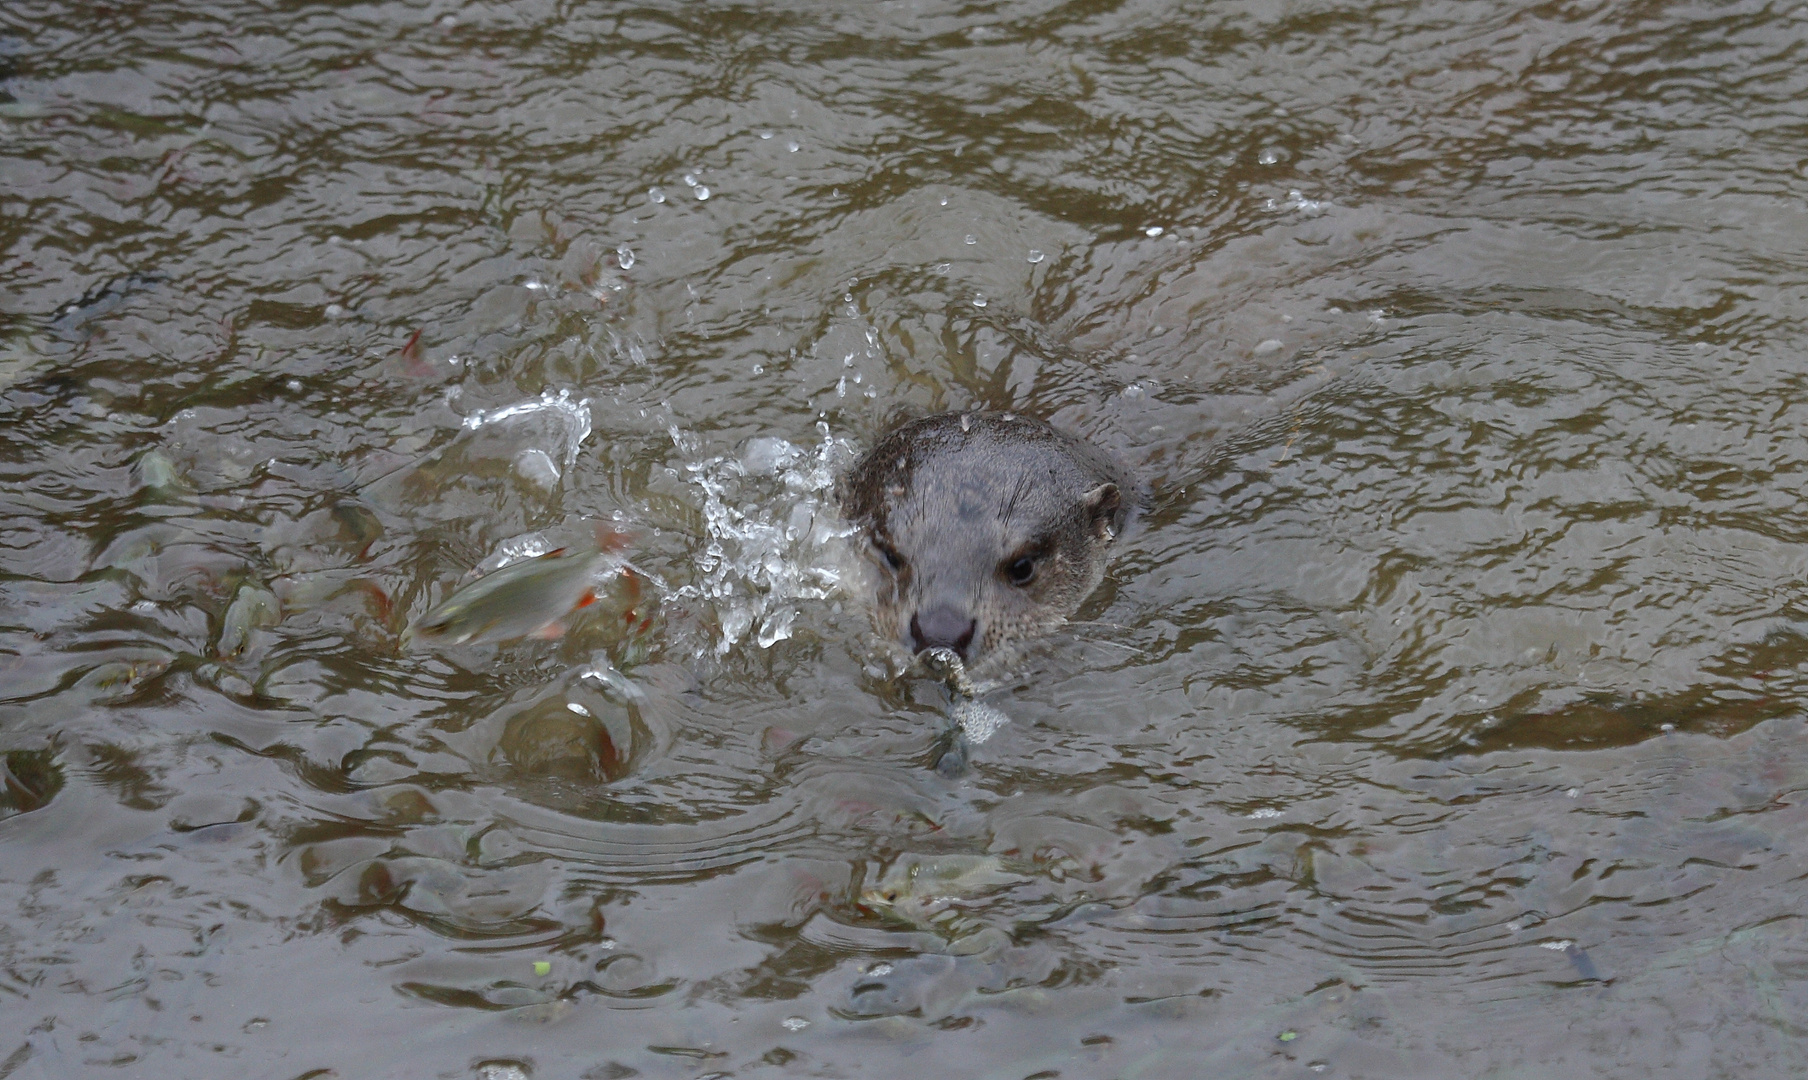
[(984, 528)]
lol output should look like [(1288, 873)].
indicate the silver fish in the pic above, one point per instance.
[(530, 597)]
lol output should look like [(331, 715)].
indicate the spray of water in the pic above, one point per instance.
[(770, 530)]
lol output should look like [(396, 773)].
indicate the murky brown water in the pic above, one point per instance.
[(1443, 718)]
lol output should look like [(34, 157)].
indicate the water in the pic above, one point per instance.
[(1442, 717)]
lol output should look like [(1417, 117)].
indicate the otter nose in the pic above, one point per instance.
[(943, 627)]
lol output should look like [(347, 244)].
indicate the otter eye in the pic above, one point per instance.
[(890, 555), (1021, 571)]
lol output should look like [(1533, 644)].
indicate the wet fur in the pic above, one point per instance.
[(958, 497)]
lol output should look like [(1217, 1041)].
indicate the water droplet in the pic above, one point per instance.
[(792, 146), (1035, 256), (941, 268), (624, 257), (971, 239), (690, 180), (655, 195), (765, 134), (979, 300), (944, 200), (1269, 156), (795, 1023), (702, 193), (1153, 230)]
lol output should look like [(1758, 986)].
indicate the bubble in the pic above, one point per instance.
[(765, 134), (792, 146), (334, 311), (536, 467), (1035, 256), (1269, 156), (944, 200), (702, 193), (690, 180), (1153, 230), (979, 300), (1272, 345), (655, 195), (794, 1023), (624, 257), (977, 720), (294, 385), (971, 239)]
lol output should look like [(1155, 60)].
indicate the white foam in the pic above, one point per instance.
[(977, 720)]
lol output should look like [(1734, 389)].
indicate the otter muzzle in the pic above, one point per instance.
[(943, 627)]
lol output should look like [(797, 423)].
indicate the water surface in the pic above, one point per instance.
[(1443, 717)]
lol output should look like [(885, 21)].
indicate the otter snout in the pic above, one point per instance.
[(943, 627)]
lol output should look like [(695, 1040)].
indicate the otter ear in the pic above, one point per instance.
[(1102, 504)]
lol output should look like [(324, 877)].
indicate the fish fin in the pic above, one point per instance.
[(610, 540), (552, 631), (414, 356), (553, 554), (586, 600)]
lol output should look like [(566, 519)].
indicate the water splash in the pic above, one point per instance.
[(769, 522), (573, 416)]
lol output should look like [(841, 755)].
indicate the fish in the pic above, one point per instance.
[(530, 598), (254, 606), (929, 892)]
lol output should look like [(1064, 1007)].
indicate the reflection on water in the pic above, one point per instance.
[(1441, 718)]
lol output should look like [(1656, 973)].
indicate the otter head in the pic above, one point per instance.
[(983, 528)]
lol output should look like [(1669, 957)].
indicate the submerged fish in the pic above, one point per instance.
[(530, 597)]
